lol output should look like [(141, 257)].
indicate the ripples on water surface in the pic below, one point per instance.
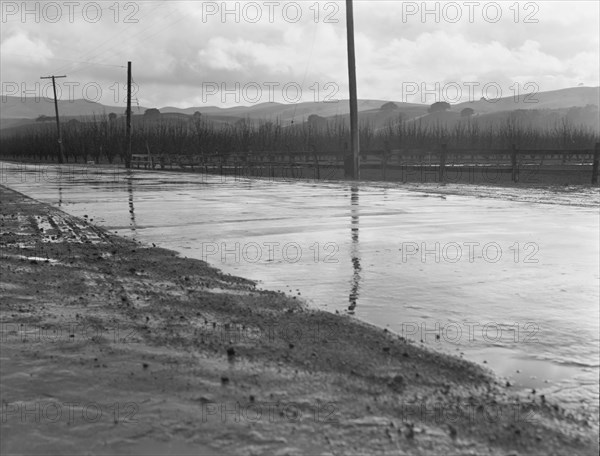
[(409, 257)]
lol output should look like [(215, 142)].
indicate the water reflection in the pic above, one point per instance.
[(130, 194), (60, 187), (354, 253)]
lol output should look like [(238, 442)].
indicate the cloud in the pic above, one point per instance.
[(175, 47), (20, 47)]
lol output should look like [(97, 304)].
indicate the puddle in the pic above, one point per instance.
[(524, 260)]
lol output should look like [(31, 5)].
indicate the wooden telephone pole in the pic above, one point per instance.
[(128, 113), (61, 151), (354, 138)]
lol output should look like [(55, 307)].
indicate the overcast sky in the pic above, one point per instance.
[(185, 53)]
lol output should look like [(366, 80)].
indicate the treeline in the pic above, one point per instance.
[(104, 139)]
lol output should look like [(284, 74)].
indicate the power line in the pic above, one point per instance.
[(312, 48), (91, 53), (69, 60)]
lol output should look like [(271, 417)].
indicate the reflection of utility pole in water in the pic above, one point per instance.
[(353, 297), (131, 210), (60, 173)]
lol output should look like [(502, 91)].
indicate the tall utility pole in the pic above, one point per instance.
[(354, 139), (128, 128), (61, 151)]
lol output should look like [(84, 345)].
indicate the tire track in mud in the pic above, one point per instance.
[(38, 237)]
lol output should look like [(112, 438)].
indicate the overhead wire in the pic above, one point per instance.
[(312, 48), (137, 100), (80, 65), (67, 60), (95, 52)]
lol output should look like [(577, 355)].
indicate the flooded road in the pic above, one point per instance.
[(506, 277)]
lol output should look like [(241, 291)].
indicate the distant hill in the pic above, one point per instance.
[(554, 99), (370, 109), (30, 108), (578, 106), (543, 109), (285, 113)]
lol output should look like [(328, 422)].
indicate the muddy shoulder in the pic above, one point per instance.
[(111, 347)]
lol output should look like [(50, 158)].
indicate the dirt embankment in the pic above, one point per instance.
[(108, 346)]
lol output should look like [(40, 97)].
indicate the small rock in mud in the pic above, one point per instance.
[(452, 431), (397, 383)]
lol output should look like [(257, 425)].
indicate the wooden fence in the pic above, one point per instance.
[(441, 164)]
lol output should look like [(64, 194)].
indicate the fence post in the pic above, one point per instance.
[(442, 162), (149, 159), (271, 160), (316, 159), (385, 158), (514, 164), (595, 165)]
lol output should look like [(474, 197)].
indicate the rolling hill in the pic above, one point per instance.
[(31, 108), (543, 109)]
